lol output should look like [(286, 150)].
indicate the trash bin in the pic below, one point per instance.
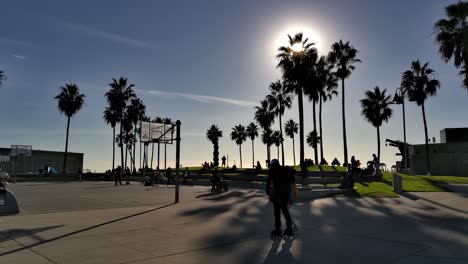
[(397, 183)]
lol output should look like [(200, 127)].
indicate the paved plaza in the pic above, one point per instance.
[(96, 222)]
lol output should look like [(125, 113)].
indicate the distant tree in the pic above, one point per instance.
[(418, 84), (70, 101), (214, 134), (2, 77), (265, 118), (267, 140), (252, 133), (452, 37), (343, 56), (376, 110), (111, 116), (327, 88), (312, 139), (295, 64), (279, 102), (291, 128), (239, 135), (277, 139), (136, 111), (117, 96)]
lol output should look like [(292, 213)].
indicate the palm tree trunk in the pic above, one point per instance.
[(253, 155), (215, 154), (165, 155), (345, 144), (140, 149), (113, 148), (428, 164), (294, 152), (301, 133), (126, 152), (240, 154), (322, 161), (134, 150), (159, 153), (315, 129), (152, 154), (66, 147), (282, 146), (121, 143), (378, 143), (277, 148)]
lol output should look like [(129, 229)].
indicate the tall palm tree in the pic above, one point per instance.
[(452, 37), (136, 111), (265, 118), (70, 101), (312, 139), (291, 128), (214, 134), (327, 88), (111, 117), (279, 101), (252, 133), (295, 63), (239, 135), (267, 140), (2, 77), (376, 110), (166, 121), (117, 96), (343, 56), (418, 84), (277, 139)]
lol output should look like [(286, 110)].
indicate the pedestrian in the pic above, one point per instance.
[(169, 176), (118, 175), (186, 175), (278, 188), (223, 160)]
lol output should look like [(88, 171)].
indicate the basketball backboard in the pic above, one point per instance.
[(154, 132), (21, 151)]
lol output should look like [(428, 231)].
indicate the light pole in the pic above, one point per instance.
[(399, 98)]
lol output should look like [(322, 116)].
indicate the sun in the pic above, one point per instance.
[(312, 36)]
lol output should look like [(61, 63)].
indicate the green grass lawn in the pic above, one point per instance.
[(325, 168), (448, 179)]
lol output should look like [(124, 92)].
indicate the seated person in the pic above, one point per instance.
[(258, 168), (215, 179)]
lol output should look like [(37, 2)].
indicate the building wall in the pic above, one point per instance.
[(40, 158), (446, 159), (452, 135)]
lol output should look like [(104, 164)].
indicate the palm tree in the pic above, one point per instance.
[(417, 84), (117, 97), (111, 117), (376, 110), (452, 37), (295, 64), (265, 118), (267, 140), (312, 139), (277, 139), (2, 77), (70, 101), (166, 121), (252, 133), (136, 111), (214, 134), (239, 135), (291, 128), (343, 56), (279, 101), (327, 88)]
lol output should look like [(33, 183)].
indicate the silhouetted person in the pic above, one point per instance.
[(281, 179), (169, 176), (258, 167), (118, 175), (353, 162), (215, 179), (376, 162), (46, 170), (223, 160), (186, 175)]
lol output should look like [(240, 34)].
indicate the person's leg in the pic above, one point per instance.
[(115, 180), (287, 216), (276, 208)]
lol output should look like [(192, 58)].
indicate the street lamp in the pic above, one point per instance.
[(399, 98)]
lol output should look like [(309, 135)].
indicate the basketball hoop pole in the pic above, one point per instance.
[(177, 160)]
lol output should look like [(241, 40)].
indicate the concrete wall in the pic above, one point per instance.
[(40, 158), (446, 159)]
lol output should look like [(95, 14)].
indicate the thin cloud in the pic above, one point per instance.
[(97, 33), (203, 98), (18, 56), (14, 42)]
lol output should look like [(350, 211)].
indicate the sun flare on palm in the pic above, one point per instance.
[(312, 35)]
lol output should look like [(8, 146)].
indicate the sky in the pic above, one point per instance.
[(211, 62)]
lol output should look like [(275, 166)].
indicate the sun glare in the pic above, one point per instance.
[(311, 35)]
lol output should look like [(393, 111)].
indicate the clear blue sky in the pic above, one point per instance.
[(179, 52)]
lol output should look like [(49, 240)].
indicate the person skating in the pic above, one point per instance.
[(118, 175), (278, 188)]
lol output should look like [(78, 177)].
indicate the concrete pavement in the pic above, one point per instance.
[(96, 222)]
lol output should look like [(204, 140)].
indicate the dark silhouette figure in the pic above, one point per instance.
[(281, 179), (118, 175), (258, 168), (169, 176), (353, 162), (223, 160), (186, 175), (215, 180)]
